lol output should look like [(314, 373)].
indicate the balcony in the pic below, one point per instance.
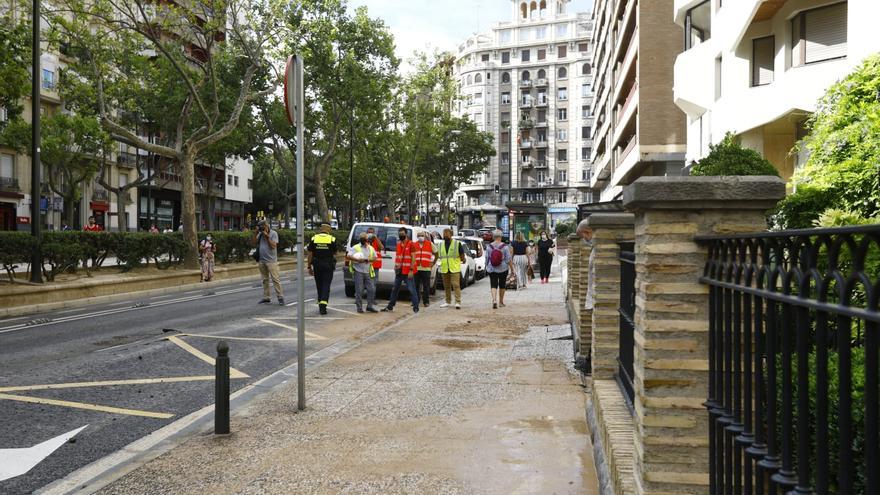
[(526, 103), (525, 84), (526, 164), (541, 83), (541, 124), (126, 160), (505, 124), (525, 144), (541, 144), (541, 164), (9, 184), (526, 124), (541, 103), (100, 195)]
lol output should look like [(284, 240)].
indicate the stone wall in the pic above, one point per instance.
[(669, 421), (575, 289)]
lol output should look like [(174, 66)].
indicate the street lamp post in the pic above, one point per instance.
[(36, 227)]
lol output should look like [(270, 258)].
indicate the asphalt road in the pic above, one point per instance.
[(125, 342)]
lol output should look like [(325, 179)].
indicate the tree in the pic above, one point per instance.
[(351, 69), (843, 168), (72, 148), (193, 71), (730, 158), (465, 154), (15, 55)]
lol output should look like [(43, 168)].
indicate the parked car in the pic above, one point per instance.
[(486, 232), (387, 233), (467, 232), (475, 244)]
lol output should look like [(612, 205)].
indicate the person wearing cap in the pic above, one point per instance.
[(322, 263), (266, 241)]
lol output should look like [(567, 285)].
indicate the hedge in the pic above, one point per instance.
[(66, 251)]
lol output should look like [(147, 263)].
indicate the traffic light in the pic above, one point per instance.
[(497, 188)]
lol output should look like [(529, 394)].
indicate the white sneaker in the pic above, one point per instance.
[(457, 306), (444, 305)]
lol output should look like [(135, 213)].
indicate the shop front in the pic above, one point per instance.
[(99, 210), (528, 219), (560, 213)]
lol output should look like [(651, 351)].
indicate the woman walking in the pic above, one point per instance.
[(546, 248), (497, 263), (520, 259)]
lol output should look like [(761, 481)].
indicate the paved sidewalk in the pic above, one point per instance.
[(470, 401)]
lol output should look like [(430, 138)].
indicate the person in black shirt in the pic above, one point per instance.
[(322, 263), (546, 248)]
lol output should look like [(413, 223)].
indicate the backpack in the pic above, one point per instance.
[(496, 256)]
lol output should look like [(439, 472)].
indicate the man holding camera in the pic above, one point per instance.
[(265, 239)]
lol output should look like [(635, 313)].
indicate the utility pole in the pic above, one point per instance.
[(36, 221), (351, 165)]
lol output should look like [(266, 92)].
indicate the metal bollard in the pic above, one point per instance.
[(221, 399)]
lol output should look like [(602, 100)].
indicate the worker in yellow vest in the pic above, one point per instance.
[(451, 255), (360, 261)]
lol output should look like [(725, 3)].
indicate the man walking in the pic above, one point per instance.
[(426, 256), (360, 259), (266, 241), (405, 267), (451, 258), (322, 263)]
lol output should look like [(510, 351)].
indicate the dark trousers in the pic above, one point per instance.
[(323, 279), (400, 279), (545, 262), (423, 284)]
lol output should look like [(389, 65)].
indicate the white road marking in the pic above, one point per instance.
[(15, 462), (282, 325), (13, 319), (296, 302), (342, 310)]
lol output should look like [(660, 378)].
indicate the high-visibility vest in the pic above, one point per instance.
[(322, 243), (449, 260), (370, 252), (424, 253), (403, 258), (378, 263)]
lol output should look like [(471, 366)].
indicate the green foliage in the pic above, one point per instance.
[(833, 217), (843, 169), (563, 229), (15, 53), (232, 247), (730, 158), (61, 253), (15, 250)]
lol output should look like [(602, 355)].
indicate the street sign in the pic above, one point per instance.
[(291, 89)]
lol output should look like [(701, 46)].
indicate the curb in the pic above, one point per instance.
[(102, 472)]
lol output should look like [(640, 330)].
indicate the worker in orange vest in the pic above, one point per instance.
[(426, 256), (405, 268), (374, 241)]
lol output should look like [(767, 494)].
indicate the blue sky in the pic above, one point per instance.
[(442, 24)]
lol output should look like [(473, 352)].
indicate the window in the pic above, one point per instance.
[(505, 78), (585, 70), (561, 30), (562, 155), (6, 165), (505, 36), (562, 93), (541, 32), (542, 176), (563, 114), (505, 138), (697, 25), (478, 118), (585, 90), (525, 55), (484, 57), (542, 74), (250, 184), (478, 98), (584, 48), (762, 60), (505, 158), (585, 175), (505, 116), (236, 181), (505, 98), (525, 34), (561, 51), (819, 34), (228, 180), (585, 153), (585, 112), (718, 83), (123, 180), (470, 80), (563, 177), (48, 79), (505, 57), (562, 73), (562, 134), (542, 53), (478, 79), (525, 76), (542, 97), (585, 132)]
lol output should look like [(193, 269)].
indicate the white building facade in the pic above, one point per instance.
[(528, 82), (756, 68)]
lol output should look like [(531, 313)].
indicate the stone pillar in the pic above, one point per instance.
[(609, 229), (671, 320), (581, 318)]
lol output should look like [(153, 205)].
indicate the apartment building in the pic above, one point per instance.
[(528, 81), (756, 68), (639, 130)]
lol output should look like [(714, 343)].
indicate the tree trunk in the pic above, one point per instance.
[(121, 219), (188, 210), (69, 203), (321, 199)]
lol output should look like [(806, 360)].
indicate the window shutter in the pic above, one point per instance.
[(825, 33), (762, 60)]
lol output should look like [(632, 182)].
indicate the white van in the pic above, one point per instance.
[(387, 233)]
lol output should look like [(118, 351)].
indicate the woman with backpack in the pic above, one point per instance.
[(546, 249), (497, 264)]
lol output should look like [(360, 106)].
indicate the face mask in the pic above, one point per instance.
[(370, 236), (363, 241), (402, 237), (544, 237), (209, 238)]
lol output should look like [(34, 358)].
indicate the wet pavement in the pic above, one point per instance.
[(469, 401)]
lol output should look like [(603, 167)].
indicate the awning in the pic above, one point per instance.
[(99, 205)]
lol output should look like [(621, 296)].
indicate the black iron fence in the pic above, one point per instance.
[(626, 313), (794, 361)]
